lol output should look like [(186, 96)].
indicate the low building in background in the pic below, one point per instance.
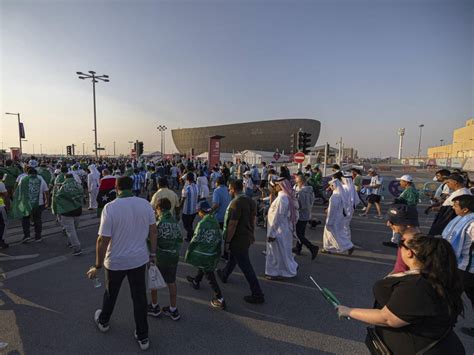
[(462, 146)]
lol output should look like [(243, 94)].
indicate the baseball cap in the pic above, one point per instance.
[(204, 206), (401, 214), (406, 178), (456, 177)]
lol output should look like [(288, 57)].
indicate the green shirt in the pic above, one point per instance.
[(410, 196), (169, 241)]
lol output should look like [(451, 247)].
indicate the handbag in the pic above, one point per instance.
[(155, 279), (375, 345)]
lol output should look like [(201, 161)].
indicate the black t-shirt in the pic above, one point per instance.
[(242, 209), (412, 299)]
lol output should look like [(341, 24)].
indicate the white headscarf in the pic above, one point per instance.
[(342, 194), (348, 185), (93, 169)]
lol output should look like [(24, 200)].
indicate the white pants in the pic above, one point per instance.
[(70, 225), (93, 197)]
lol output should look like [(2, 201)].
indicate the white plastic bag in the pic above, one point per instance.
[(155, 280)]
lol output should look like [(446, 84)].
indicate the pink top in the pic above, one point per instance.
[(400, 266)]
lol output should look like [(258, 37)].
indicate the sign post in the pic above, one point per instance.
[(214, 154), (299, 159)]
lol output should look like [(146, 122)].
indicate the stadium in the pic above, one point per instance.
[(260, 135)]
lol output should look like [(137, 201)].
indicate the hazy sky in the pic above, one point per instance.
[(363, 68)]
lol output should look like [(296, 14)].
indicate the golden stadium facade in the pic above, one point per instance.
[(260, 135)]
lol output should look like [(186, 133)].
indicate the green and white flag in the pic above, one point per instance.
[(68, 197), (26, 197)]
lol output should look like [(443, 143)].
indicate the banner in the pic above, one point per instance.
[(15, 153), (22, 131), (214, 154)]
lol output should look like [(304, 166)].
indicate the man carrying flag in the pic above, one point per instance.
[(30, 199), (68, 205), (106, 190)]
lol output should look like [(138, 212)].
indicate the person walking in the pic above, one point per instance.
[(29, 201), (239, 229), (204, 252), (68, 206), (220, 201), (188, 205), (126, 224), (374, 190), (4, 206), (167, 254), (93, 179), (281, 225), (357, 179), (305, 196), (165, 192)]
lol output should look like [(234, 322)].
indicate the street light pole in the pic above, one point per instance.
[(19, 128), (114, 148), (95, 79), (419, 141)]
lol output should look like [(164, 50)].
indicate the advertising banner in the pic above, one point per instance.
[(214, 151)]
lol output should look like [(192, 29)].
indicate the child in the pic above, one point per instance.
[(204, 252), (167, 256)]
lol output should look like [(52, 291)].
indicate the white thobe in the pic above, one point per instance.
[(337, 232), (280, 260), (203, 186), (93, 187)]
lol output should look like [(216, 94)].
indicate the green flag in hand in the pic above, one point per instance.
[(68, 197)]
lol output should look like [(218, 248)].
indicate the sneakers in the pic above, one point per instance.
[(314, 252), (174, 315), (378, 217), (193, 282), (254, 299), (220, 275), (77, 252), (154, 311), (364, 209), (102, 327), (144, 343), (218, 303), (3, 245), (273, 278), (363, 214)]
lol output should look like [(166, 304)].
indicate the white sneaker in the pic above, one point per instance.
[(103, 328), (364, 209), (144, 344)]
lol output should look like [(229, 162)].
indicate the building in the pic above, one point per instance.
[(270, 136), (462, 146)]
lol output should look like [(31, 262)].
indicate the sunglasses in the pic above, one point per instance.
[(401, 244)]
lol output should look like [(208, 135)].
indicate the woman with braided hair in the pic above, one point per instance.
[(415, 311)]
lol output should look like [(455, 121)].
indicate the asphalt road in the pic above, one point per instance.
[(47, 303)]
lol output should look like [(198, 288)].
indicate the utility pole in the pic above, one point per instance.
[(114, 148), (419, 140), (326, 152)]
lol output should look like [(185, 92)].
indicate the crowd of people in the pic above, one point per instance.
[(141, 203)]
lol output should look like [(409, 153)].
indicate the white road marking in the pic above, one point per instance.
[(5, 257)]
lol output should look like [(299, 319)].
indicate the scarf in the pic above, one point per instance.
[(26, 197), (287, 190), (68, 197)]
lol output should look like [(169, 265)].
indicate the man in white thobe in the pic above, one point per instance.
[(93, 179), (337, 233), (282, 217)]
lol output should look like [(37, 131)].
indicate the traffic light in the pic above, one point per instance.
[(140, 149), (69, 150), (304, 141)]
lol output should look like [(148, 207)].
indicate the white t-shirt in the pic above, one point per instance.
[(375, 180), (127, 222)]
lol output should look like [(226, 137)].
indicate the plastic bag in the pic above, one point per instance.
[(155, 280)]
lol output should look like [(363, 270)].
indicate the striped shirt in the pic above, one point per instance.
[(137, 182), (190, 194)]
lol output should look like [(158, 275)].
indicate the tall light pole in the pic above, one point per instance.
[(401, 133), (114, 148), (19, 128), (419, 140), (83, 152), (441, 141), (162, 130), (95, 79)]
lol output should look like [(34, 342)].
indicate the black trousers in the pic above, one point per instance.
[(211, 277), (136, 280), (36, 215), (301, 234), (468, 284), (188, 220), (242, 259), (3, 222)]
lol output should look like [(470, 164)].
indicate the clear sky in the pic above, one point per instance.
[(363, 68)]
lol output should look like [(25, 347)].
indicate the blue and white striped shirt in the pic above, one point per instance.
[(191, 194), (137, 181)]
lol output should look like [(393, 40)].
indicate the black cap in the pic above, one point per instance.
[(401, 214), (456, 177)]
